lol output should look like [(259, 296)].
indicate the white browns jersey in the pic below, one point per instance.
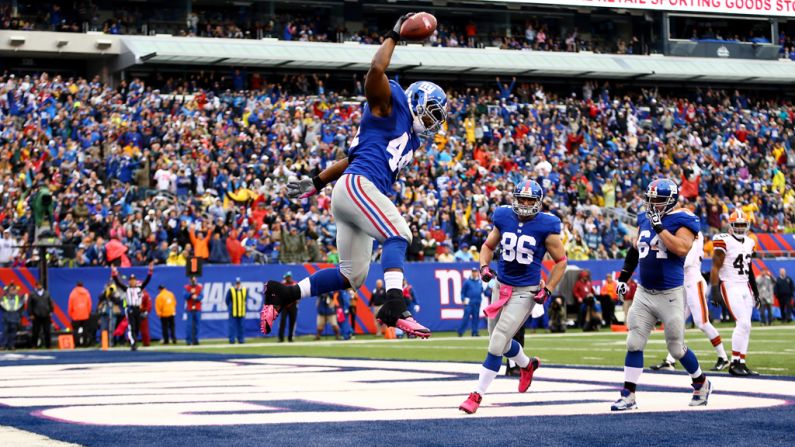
[(737, 265), (693, 260)]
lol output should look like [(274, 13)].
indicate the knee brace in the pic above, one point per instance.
[(393, 255)]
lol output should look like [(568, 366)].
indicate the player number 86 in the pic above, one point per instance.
[(517, 249)]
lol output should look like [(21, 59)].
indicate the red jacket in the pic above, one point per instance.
[(190, 291), (582, 289)]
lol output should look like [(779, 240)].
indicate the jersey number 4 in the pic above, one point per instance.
[(519, 249), (395, 148), (655, 244)]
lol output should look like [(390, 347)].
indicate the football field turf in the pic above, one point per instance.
[(771, 352)]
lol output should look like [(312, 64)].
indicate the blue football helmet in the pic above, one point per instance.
[(662, 195), (428, 105), (527, 198)]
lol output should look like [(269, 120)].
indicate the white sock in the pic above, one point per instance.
[(521, 359), (306, 287), (632, 374), (393, 280), (698, 373), (721, 352), (484, 379)]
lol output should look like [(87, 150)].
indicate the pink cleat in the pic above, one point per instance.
[(411, 326), (470, 406), (526, 374), (266, 318)]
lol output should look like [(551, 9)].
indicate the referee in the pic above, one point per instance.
[(133, 297)]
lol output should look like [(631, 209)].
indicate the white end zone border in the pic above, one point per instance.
[(235, 392)]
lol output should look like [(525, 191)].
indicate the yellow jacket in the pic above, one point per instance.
[(176, 259), (165, 304)]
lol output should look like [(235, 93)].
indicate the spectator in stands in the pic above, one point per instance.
[(236, 303), (765, 283), (784, 289), (377, 300), (294, 247), (291, 313), (79, 310), (193, 308), (8, 248), (200, 242), (327, 314), (166, 309), (471, 296), (40, 312)]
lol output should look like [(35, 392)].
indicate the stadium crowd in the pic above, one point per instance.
[(163, 172)]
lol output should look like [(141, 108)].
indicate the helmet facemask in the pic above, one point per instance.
[(661, 204), (526, 205), (738, 228), (428, 117)]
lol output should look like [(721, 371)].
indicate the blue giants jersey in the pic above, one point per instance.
[(383, 146), (522, 246), (659, 268)]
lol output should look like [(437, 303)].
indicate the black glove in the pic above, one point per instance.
[(655, 219), (394, 34), (757, 301), (714, 296)]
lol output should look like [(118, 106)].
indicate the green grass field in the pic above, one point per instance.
[(772, 349)]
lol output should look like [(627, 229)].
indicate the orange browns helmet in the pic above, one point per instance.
[(738, 222)]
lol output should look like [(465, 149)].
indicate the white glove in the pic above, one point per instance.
[(622, 290), (301, 188), (466, 301)]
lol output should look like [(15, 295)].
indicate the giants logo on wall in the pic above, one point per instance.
[(451, 306), (214, 299)]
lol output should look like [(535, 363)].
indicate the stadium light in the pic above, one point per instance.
[(16, 40), (146, 57)]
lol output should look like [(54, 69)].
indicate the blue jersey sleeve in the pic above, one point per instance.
[(497, 218), (554, 223)]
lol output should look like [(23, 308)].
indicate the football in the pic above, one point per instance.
[(420, 26)]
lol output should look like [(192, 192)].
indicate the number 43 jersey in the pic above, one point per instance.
[(737, 266), (659, 268), (522, 245), (383, 146)]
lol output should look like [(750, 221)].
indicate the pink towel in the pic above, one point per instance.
[(494, 308)]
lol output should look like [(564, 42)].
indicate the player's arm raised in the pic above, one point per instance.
[(487, 254), (376, 84)]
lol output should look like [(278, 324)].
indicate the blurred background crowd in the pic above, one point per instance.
[(196, 166)]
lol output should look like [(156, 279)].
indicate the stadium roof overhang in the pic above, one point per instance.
[(420, 59)]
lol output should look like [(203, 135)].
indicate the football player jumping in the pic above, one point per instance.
[(665, 236), (524, 235), (392, 122)]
